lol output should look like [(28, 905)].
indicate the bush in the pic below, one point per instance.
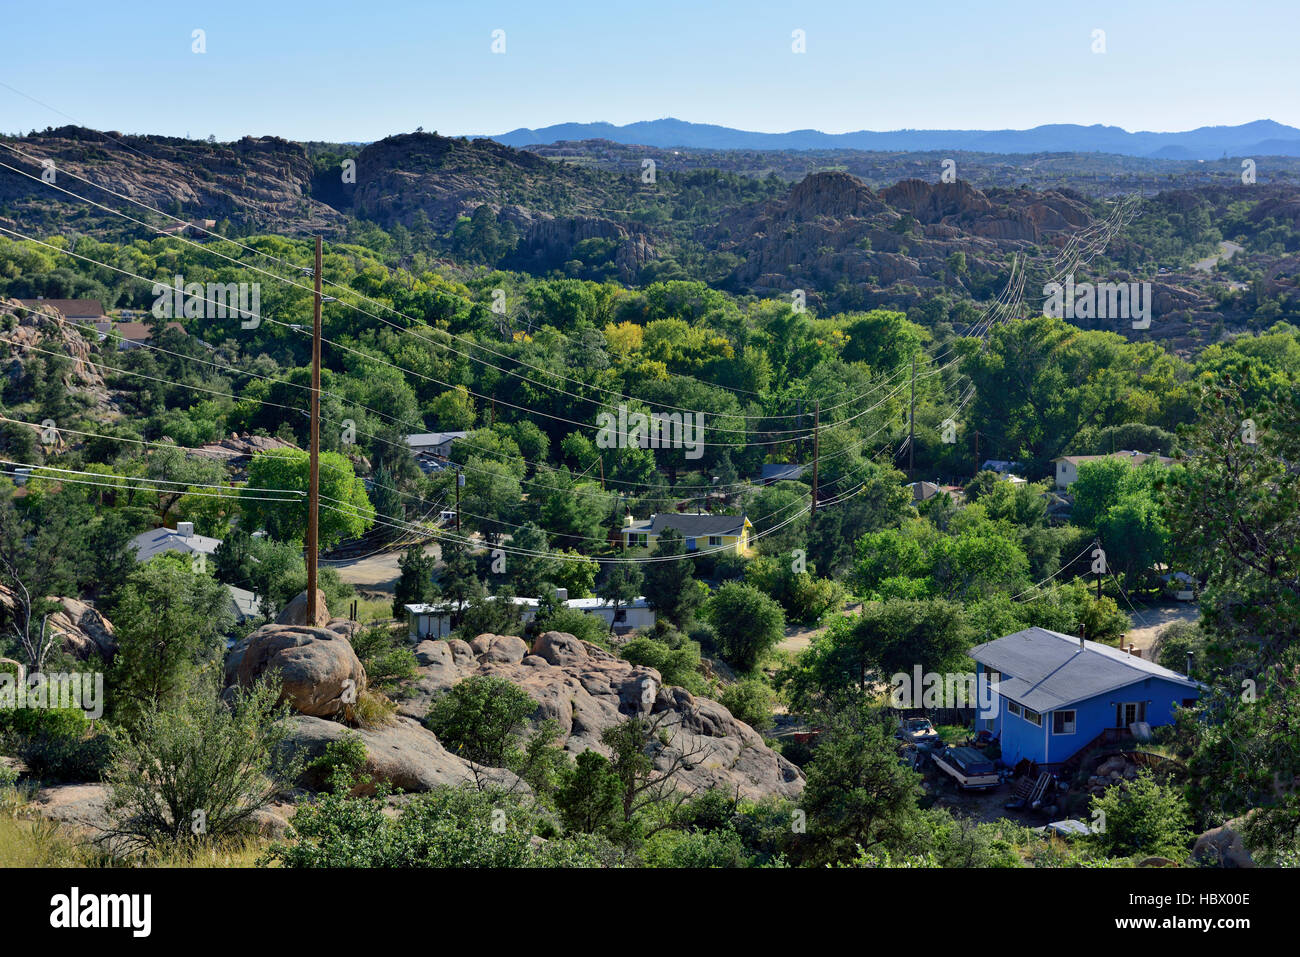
[(55, 743), (1145, 818), (482, 719), (385, 655), (677, 663), (341, 763), (447, 827), (198, 769), (749, 701), (574, 622)]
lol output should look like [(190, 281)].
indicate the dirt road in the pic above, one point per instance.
[(375, 572)]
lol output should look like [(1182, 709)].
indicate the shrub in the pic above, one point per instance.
[(1145, 818), (55, 743), (447, 827), (677, 664), (341, 763), (482, 719), (198, 768), (384, 654), (749, 701)]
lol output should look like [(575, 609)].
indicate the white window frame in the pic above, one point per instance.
[(1074, 721)]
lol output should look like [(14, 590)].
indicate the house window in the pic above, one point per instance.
[(1128, 712), (1063, 722), (639, 540), (1033, 717), (1013, 708), (620, 615), (715, 539)]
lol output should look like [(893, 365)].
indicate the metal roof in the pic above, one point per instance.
[(1045, 670)]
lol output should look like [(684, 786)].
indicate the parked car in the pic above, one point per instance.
[(917, 731), (968, 767)]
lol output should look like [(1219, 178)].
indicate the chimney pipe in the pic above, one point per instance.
[(1130, 648)]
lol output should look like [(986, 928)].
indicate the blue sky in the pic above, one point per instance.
[(361, 70)]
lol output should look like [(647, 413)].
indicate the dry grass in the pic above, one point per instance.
[(37, 842)]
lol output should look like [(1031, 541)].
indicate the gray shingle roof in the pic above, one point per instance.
[(1045, 670), (690, 524), (159, 540)]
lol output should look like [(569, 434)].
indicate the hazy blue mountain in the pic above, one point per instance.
[(1259, 138)]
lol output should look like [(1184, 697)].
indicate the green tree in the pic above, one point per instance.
[(169, 620), (482, 719), (748, 624), (345, 512), (1145, 818), (858, 794), (415, 582), (669, 582), (591, 794), (619, 586)]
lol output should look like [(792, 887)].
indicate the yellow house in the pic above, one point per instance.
[(703, 533)]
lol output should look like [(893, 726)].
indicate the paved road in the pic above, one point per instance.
[(1226, 251)]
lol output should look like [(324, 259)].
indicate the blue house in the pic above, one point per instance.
[(1055, 694)]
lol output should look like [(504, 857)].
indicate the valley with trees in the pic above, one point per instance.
[(355, 573)]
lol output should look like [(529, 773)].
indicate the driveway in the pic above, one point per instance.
[(1152, 619)]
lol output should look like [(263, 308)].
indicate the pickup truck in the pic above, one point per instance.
[(968, 767)]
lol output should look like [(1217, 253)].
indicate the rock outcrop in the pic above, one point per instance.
[(319, 672), (295, 613), (404, 754), (83, 631), (585, 690), (1222, 847)]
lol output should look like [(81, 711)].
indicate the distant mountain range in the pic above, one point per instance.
[(1259, 138)]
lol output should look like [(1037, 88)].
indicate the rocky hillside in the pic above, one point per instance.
[(261, 183), (845, 244)]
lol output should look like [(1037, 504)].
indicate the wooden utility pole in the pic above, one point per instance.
[(460, 480), (313, 480), (817, 420), (911, 426)]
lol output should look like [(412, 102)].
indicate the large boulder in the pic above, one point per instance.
[(404, 754), (295, 613), (585, 690), (320, 674), (1222, 847), (83, 631), (86, 633)]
